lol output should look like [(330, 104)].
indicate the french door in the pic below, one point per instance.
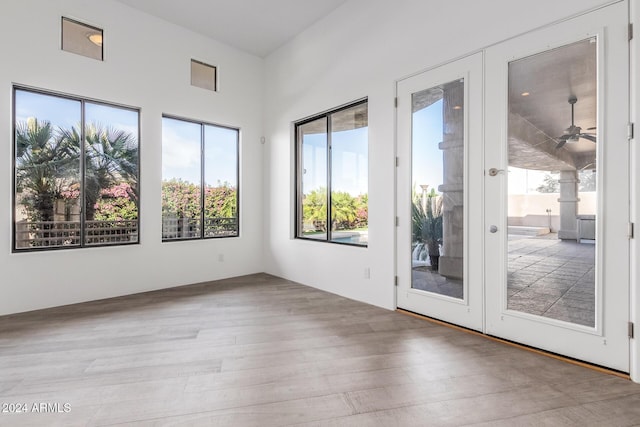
[(523, 196), (439, 191), (557, 188)]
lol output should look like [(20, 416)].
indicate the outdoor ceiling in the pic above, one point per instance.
[(540, 86), (254, 26), (348, 119), (537, 121)]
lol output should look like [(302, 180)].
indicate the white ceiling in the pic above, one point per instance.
[(255, 26)]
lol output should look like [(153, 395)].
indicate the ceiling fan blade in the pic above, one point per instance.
[(591, 138), (592, 128), (561, 143), (565, 137)]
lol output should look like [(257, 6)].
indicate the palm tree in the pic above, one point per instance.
[(46, 163), (314, 208), (343, 210), (111, 156)]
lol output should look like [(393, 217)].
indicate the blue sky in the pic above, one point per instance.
[(349, 163), (181, 140), (60, 112), (65, 113), (220, 150), (181, 152), (426, 156), (350, 149), (181, 146)]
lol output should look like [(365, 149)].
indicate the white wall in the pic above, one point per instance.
[(537, 203), (146, 65), (361, 50)]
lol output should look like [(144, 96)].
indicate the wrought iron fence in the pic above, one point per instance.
[(107, 232), (174, 228), (50, 234), (180, 228)]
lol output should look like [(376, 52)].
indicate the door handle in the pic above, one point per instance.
[(493, 229), (494, 171)]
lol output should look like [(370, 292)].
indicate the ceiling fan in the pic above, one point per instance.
[(573, 132)]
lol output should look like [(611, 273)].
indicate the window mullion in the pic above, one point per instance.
[(202, 182), (83, 174), (329, 165)]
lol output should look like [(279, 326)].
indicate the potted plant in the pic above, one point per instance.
[(427, 225)]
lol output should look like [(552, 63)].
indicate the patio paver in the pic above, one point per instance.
[(546, 277)]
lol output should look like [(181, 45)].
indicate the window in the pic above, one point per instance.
[(203, 75), (199, 180), (332, 176), (82, 39), (76, 172)]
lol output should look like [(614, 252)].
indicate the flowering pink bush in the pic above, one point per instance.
[(71, 193), (116, 203), (123, 190), (181, 199)]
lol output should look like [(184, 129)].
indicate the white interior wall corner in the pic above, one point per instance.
[(359, 50), (147, 66)]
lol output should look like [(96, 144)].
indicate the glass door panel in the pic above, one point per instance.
[(437, 202), (556, 191), (439, 193), (552, 197)]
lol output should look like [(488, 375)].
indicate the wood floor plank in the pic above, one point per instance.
[(462, 411), (201, 400), (61, 383), (290, 412), (259, 350)]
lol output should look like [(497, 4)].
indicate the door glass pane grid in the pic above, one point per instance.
[(437, 177), (552, 184)]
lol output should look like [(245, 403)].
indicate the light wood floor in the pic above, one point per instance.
[(261, 351)]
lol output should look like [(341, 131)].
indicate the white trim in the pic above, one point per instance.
[(634, 156)]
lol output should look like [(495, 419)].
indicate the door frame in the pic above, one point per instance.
[(633, 15), (607, 344), (468, 311), (634, 91)]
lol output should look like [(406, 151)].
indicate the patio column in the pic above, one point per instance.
[(568, 205), (452, 146)]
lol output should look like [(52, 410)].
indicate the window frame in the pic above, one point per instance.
[(202, 125), (82, 100), (204, 64), (298, 169), (89, 27)]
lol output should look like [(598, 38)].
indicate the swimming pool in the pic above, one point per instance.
[(354, 239)]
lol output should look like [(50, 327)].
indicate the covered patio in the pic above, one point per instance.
[(547, 276)]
